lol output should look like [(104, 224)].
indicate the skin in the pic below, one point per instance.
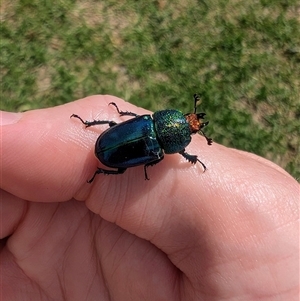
[(231, 233)]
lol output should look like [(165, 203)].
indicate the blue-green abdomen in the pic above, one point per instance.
[(130, 143)]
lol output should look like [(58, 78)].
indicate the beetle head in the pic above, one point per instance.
[(195, 121)]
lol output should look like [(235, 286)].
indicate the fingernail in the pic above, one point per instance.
[(7, 118)]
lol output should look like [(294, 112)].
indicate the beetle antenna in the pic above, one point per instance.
[(196, 99)]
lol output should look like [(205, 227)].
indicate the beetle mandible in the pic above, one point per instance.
[(144, 139)]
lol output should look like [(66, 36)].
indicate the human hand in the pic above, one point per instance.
[(229, 233)]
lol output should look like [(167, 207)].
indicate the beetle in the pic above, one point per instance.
[(144, 139)]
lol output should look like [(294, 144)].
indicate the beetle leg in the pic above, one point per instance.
[(106, 172), (191, 158), (151, 164), (209, 140), (123, 113), (94, 122)]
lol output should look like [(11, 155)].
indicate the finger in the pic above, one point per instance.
[(48, 156)]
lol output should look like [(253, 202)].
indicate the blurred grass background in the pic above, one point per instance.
[(243, 57)]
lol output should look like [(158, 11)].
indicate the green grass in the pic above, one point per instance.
[(243, 57)]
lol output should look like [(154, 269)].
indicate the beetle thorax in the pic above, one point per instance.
[(172, 130)]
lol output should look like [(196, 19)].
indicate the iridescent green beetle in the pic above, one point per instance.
[(145, 139)]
